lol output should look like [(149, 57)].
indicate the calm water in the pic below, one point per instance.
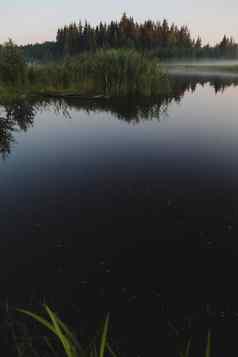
[(129, 205)]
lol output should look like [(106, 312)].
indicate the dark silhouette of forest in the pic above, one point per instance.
[(159, 39)]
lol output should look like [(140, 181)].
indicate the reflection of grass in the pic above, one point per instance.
[(68, 341)]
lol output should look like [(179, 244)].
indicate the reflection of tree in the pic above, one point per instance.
[(58, 106), (181, 82), (136, 109), (6, 137), (130, 109), (19, 115)]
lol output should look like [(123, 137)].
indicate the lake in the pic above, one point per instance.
[(128, 205)]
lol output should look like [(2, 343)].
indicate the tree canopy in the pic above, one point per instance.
[(12, 64), (158, 38)]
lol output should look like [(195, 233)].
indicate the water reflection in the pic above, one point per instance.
[(141, 216), (180, 83), (19, 116), (6, 137)]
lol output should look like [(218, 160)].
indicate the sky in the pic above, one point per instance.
[(30, 21)]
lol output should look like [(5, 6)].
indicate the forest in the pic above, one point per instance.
[(160, 39)]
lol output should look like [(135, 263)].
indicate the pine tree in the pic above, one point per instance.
[(12, 64)]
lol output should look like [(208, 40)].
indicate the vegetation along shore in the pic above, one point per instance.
[(105, 73), (107, 60)]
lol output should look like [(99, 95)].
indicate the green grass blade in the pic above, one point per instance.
[(58, 328), (60, 334), (104, 337), (67, 339), (208, 347), (68, 333), (186, 352), (40, 319)]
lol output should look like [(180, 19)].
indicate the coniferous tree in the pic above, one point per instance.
[(12, 64), (156, 38)]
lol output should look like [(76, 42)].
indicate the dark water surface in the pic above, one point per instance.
[(128, 205)]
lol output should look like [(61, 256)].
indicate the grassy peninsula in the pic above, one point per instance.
[(112, 72)]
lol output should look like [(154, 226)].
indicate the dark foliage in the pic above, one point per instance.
[(156, 38), (12, 64)]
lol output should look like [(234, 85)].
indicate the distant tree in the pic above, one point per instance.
[(158, 38), (126, 33), (12, 64), (224, 42), (198, 43)]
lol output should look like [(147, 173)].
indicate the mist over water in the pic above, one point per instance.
[(203, 62), (203, 68)]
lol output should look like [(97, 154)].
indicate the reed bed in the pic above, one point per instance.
[(108, 72)]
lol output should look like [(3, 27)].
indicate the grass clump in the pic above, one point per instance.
[(186, 350), (67, 339), (110, 72)]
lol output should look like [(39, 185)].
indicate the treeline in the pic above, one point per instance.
[(13, 67), (126, 33), (160, 39), (42, 52)]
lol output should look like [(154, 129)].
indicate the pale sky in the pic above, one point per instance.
[(27, 21)]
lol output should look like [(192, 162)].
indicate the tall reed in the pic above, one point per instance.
[(110, 72)]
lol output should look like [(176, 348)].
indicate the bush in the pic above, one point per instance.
[(109, 72), (12, 65)]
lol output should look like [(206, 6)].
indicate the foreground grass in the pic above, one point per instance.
[(67, 339), (46, 335), (186, 351), (71, 347)]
